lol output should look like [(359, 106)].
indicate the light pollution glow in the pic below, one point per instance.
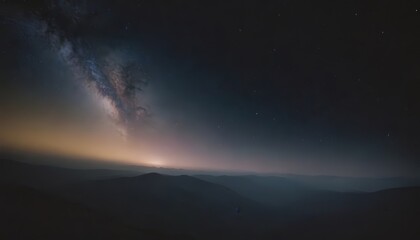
[(85, 140)]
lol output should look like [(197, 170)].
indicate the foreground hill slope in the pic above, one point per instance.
[(386, 214), (176, 203), (31, 214)]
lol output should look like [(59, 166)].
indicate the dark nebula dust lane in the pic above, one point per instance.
[(301, 87)]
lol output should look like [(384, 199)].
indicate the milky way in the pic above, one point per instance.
[(115, 79)]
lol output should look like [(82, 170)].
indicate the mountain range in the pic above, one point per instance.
[(51, 202)]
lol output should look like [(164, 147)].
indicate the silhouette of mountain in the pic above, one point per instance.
[(273, 191), (41, 176), (353, 184)]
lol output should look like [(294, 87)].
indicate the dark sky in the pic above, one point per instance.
[(311, 87)]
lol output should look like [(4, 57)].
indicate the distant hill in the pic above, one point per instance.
[(274, 191), (285, 190), (353, 184), (41, 176)]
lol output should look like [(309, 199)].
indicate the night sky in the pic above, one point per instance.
[(306, 87)]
